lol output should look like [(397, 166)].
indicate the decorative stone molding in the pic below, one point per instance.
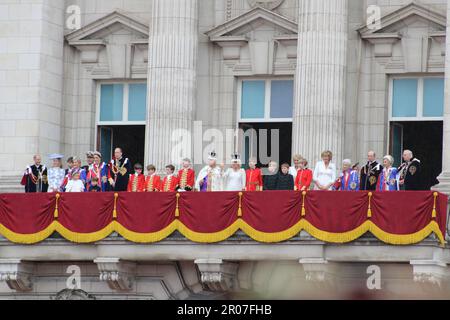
[(90, 49), (319, 271), (119, 274), (383, 43), (439, 37), (17, 274), (68, 294), (266, 4), (431, 272), (290, 43), (231, 46), (218, 275)]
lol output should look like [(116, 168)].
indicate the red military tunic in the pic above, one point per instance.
[(153, 183), (186, 179), (169, 184), (303, 180), (253, 180), (136, 183)]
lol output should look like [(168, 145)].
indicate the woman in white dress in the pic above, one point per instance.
[(235, 177), (324, 175)]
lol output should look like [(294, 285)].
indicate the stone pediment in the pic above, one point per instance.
[(251, 20), (111, 23), (393, 22), (251, 30), (114, 46)]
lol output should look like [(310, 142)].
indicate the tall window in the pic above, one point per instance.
[(417, 99), (122, 103), (121, 118), (265, 108), (269, 100)]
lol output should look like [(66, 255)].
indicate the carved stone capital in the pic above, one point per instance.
[(119, 274), (319, 271), (17, 274), (431, 272), (218, 275)]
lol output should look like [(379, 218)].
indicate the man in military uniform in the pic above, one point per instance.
[(409, 172), (119, 171), (370, 172), (35, 178)]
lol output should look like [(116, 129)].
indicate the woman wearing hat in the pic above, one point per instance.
[(56, 173), (235, 176), (388, 180)]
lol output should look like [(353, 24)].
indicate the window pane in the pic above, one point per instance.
[(253, 99), (137, 102), (433, 97), (111, 102), (404, 101), (282, 99)]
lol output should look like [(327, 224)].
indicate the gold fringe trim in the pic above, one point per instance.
[(209, 237), (145, 237), (28, 238), (223, 235), (85, 237)]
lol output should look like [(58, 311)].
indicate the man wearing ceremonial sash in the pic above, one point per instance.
[(387, 180), (186, 176), (253, 177), (137, 180), (370, 172), (349, 177), (119, 171), (152, 181), (210, 177), (409, 172), (170, 181), (35, 178)]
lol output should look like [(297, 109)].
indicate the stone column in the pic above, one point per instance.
[(172, 78), (444, 178), (318, 120)]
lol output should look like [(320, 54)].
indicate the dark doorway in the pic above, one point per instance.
[(130, 138), (424, 138), (257, 135)]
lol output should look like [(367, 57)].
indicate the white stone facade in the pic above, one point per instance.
[(192, 55)]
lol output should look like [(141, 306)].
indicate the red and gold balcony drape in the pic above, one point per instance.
[(398, 218)]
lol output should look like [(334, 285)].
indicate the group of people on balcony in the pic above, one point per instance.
[(119, 176)]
